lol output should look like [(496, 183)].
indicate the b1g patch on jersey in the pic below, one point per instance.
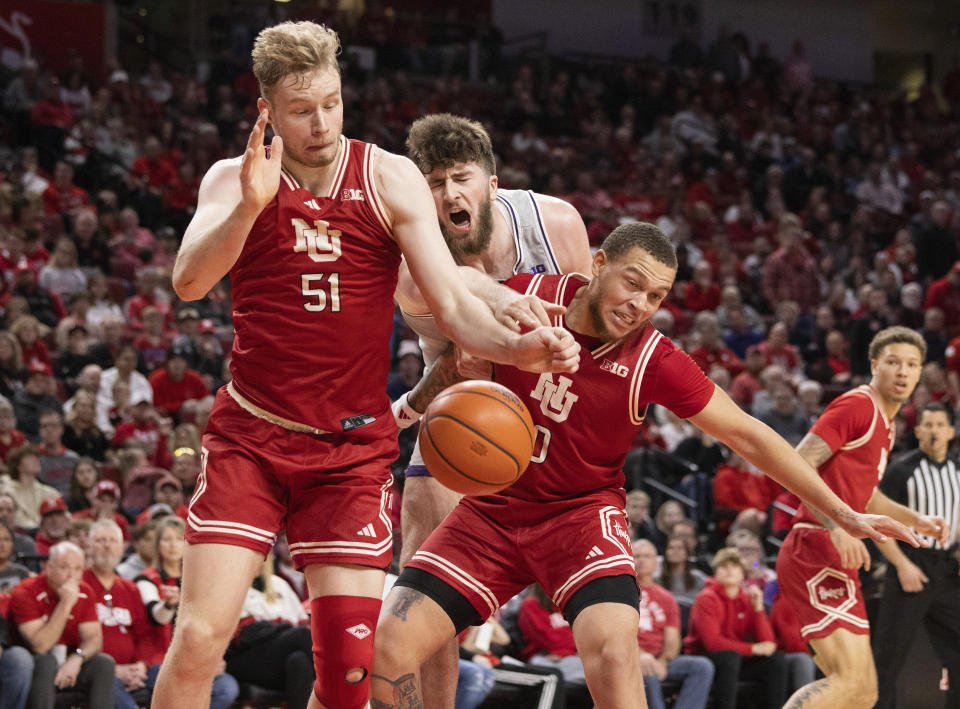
[(352, 422)]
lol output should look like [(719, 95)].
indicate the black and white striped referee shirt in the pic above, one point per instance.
[(926, 487)]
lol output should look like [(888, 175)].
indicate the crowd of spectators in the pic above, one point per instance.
[(807, 215)]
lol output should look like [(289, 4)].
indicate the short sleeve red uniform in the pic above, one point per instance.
[(563, 522), (825, 595)]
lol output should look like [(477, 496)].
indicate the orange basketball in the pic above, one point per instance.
[(476, 437)]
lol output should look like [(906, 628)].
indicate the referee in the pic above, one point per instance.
[(922, 585)]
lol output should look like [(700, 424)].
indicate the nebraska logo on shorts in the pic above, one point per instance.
[(834, 594), (359, 631)]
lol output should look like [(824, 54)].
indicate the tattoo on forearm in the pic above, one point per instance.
[(442, 374), (824, 519), (403, 601), (810, 691), (814, 450), (406, 693)]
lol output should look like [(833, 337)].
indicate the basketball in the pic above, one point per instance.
[(476, 437)]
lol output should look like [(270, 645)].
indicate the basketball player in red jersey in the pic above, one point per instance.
[(491, 547), (311, 233), (500, 232), (817, 565)]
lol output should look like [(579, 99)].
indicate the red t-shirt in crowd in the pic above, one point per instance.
[(56, 201), (122, 617), (718, 622), (544, 631), (33, 598), (169, 395), (658, 610)]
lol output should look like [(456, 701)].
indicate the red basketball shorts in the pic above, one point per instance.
[(824, 595), (490, 551), (331, 493)]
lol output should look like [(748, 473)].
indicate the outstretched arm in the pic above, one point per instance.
[(759, 444)]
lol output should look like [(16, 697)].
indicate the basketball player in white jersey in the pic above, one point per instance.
[(500, 233)]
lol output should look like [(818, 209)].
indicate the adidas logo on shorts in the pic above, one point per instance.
[(594, 552), (367, 531), (359, 631)]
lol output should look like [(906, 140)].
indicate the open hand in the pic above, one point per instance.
[(876, 527), (259, 174)]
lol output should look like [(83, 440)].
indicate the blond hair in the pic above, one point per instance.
[(727, 555), (293, 48)]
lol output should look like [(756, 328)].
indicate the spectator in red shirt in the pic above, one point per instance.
[(740, 486), (123, 619), (175, 384), (800, 666), (52, 119), (56, 609), (159, 172), (148, 284), (149, 429), (548, 637), (790, 272), (54, 522), (778, 350), (712, 351), (703, 293), (659, 637), (730, 626), (62, 196), (747, 383), (154, 341), (105, 504), (944, 293)]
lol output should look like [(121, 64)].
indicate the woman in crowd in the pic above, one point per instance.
[(81, 432), (668, 514), (123, 371), (728, 625), (272, 647), (678, 574), (61, 276), (83, 480), (159, 587), (23, 466), (30, 333), (11, 573)]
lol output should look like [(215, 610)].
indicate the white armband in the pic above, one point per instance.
[(404, 414)]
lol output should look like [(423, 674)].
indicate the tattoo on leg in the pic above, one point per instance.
[(810, 691), (406, 694), (405, 599)]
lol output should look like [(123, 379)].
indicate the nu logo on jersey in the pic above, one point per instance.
[(352, 195), (555, 398), (317, 241), (621, 370)]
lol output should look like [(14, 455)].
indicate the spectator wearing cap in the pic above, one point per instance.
[(56, 609), (74, 357), (23, 465), (149, 429), (144, 543), (35, 398), (106, 505), (56, 460), (409, 369), (54, 523), (81, 434), (10, 437), (62, 275), (187, 338), (168, 490), (43, 304), (175, 384), (154, 341), (124, 370), (944, 293)]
